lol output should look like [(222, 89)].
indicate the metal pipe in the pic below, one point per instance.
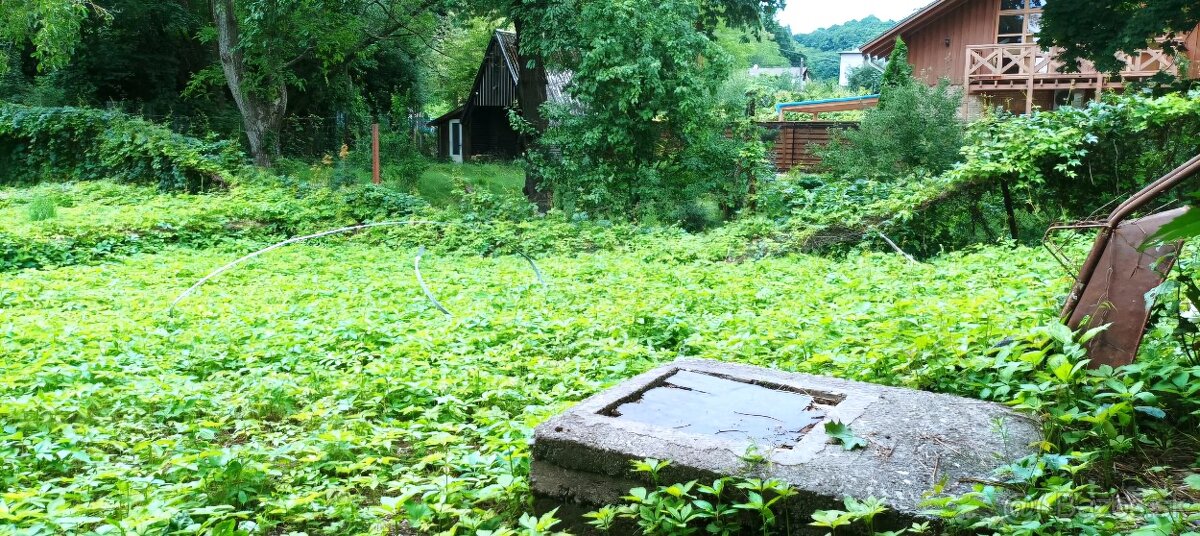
[(1155, 189), (273, 247)]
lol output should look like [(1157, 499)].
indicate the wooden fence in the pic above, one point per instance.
[(793, 141)]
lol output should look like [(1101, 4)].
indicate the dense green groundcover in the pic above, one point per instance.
[(300, 390), (317, 391)]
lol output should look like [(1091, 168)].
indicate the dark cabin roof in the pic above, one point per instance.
[(456, 113), (882, 46), (557, 81)]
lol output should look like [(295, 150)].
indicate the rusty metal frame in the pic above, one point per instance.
[(1109, 226)]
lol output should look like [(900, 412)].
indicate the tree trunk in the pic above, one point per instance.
[(262, 118), (531, 95), (1013, 228)]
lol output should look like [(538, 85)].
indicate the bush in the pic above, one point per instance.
[(87, 144), (918, 131), (1071, 161), (41, 208), (371, 203), (866, 77), (647, 130)]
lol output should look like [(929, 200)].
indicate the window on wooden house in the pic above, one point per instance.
[(1020, 21)]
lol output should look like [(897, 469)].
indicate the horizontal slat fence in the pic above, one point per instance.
[(793, 141)]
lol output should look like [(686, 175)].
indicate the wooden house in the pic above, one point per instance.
[(480, 127), (989, 49)]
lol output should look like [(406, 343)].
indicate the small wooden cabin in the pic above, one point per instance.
[(480, 127), (989, 48)]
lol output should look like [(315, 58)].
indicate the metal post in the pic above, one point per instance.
[(375, 153)]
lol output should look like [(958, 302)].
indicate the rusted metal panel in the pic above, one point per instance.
[(1115, 294), (1117, 274)]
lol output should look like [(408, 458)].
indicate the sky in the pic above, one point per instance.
[(807, 15)]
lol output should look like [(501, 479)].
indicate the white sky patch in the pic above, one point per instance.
[(807, 15)]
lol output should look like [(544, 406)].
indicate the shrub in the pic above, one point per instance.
[(866, 77), (368, 202), (898, 73), (1074, 160), (88, 144), (647, 130), (918, 131), (41, 208)]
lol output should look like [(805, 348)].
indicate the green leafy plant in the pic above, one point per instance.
[(919, 131), (87, 144), (844, 436), (42, 208)]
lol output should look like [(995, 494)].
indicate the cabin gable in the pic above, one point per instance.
[(496, 81), (938, 49)]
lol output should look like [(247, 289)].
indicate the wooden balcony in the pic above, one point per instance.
[(1026, 67)]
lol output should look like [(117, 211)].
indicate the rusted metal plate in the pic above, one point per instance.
[(1115, 293)]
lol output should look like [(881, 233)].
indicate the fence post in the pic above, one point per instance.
[(375, 153)]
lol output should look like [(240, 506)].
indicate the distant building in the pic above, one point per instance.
[(798, 75), (989, 49)]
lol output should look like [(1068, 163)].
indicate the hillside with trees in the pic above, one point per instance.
[(822, 46)]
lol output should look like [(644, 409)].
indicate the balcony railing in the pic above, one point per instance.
[(1029, 64)]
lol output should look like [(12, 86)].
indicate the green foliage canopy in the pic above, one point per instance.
[(866, 77), (88, 144), (897, 74), (1097, 30), (643, 135), (53, 26), (822, 46), (917, 132)]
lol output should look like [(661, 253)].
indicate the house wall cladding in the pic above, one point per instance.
[(496, 86), (972, 23), (794, 141), (491, 134)]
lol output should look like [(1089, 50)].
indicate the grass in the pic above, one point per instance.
[(437, 184)]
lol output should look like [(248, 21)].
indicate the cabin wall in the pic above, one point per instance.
[(490, 134), (972, 23), (1193, 51), (443, 141)]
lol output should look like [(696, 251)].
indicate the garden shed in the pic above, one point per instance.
[(480, 127)]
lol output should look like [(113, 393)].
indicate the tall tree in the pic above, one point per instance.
[(644, 134), (1097, 30), (897, 74), (550, 31), (262, 43)]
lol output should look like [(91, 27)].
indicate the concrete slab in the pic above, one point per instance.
[(705, 416)]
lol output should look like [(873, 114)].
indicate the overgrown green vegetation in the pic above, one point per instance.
[(89, 144), (441, 183), (652, 143), (318, 390)]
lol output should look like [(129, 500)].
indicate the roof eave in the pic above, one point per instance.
[(882, 45)]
